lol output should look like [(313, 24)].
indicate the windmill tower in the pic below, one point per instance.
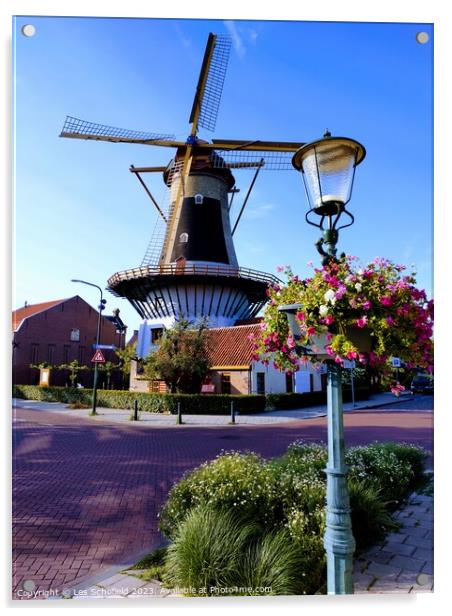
[(190, 268)]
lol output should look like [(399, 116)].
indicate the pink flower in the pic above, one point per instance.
[(328, 319), (352, 355), (310, 331), (367, 305), (362, 322), (390, 321), (290, 342), (300, 316), (342, 290), (338, 359), (386, 300)]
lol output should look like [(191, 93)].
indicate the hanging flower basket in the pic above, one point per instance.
[(345, 311)]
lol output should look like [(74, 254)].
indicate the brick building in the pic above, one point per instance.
[(58, 332), (234, 371)]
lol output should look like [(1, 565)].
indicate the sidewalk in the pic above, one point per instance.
[(404, 562), (146, 419)]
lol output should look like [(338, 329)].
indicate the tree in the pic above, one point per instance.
[(125, 357), (108, 369), (180, 358), (74, 367)]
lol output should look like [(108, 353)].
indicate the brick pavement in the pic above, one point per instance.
[(87, 495), (403, 563)]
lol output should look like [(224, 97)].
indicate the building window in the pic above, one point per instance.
[(323, 381), (260, 381), (156, 334), (311, 382), (66, 349), (51, 354), (183, 238), (155, 387), (34, 357), (75, 335), (199, 199), (289, 383), (225, 383)]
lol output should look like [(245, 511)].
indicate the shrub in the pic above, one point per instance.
[(215, 553), (379, 464), (312, 398), (196, 404), (206, 551), (371, 519), (233, 481)]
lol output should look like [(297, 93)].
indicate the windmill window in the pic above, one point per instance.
[(183, 238), (199, 199)]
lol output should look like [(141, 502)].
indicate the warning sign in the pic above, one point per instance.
[(98, 357)]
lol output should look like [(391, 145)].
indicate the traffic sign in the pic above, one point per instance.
[(396, 363), (108, 347), (98, 357)]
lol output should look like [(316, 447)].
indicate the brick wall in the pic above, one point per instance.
[(46, 337)]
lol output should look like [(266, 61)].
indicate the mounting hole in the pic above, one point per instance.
[(28, 30), (422, 37)]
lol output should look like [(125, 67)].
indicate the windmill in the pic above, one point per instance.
[(190, 267)]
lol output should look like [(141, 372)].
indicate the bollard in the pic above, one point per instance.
[(179, 414), (232, 413), (135, 410)]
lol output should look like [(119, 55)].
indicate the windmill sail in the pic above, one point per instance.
[(81, 129)]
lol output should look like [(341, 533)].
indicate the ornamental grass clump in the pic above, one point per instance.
[(214, 553), (341, 299)]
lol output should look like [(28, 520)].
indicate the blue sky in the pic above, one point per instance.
[(79, 213)]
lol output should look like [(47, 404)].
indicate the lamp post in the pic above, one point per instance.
[(328, 168), (96, 370)]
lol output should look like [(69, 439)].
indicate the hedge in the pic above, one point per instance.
[(201, 404), (313, 398)]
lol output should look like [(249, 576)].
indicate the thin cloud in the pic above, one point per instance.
[(259, 211), (237, 40)]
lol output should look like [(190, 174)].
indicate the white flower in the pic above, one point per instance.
[(358, 286), (330, 296), (323, 310)]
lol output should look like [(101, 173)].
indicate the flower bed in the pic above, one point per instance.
[(279, 502)]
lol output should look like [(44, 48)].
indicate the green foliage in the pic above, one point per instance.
[(193, 404), (125, 357), (215, 553), (387, 466), (371, 519), (313, 398), (180, 358), (288, 494), (74, 368)]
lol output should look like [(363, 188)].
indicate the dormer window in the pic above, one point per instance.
[(199, 199), (183, 238)]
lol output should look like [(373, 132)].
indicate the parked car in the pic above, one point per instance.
[(422, 384)]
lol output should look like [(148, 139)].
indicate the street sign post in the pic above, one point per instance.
[(107, 347)]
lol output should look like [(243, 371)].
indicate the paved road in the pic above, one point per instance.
[(87, 495)]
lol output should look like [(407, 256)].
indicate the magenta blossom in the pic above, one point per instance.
[(362, 322)]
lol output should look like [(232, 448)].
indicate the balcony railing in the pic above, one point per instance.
[(192, 269)]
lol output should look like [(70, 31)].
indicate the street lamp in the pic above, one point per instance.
[(101, 308), (328, 168)]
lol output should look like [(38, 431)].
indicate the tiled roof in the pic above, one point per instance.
[(230, 346), (21, 314)]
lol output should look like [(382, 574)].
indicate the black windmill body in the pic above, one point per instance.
[(190, 268)]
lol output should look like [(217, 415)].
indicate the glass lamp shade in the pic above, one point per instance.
[(328, 168)]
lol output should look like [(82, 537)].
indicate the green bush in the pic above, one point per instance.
[(192, 404), (313, 398), (289, 493), (371, 519), (232, 481), (386, 467), (215, 553)]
